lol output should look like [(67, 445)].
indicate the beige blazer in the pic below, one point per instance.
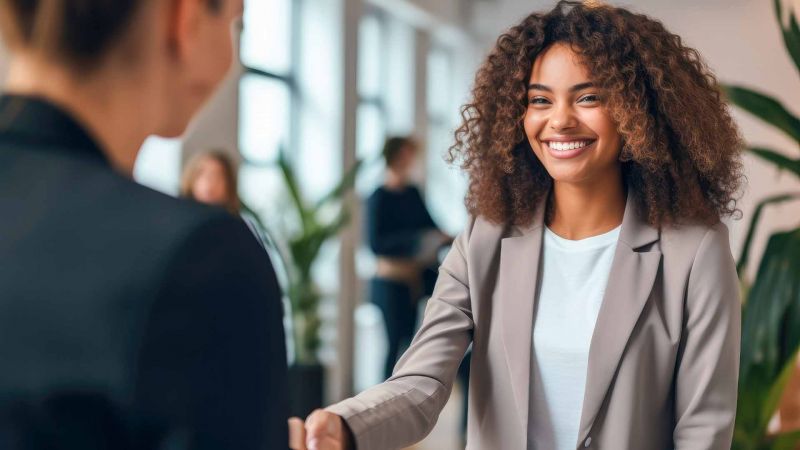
[(663, 360)]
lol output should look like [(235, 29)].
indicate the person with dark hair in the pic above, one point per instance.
[(594, 280), (128, 319), (405, 240)]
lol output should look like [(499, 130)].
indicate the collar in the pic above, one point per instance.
[(635, 231), (37, 122)]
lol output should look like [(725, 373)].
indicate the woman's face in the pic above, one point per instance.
[(566, 123), (210, 185)]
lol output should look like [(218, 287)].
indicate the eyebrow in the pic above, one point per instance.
[(577, 87)]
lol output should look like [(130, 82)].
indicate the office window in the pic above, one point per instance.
[(267, 100), (445, 183), (266, 36), (264, 120), (371, 115)]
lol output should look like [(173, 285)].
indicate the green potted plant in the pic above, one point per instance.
[(771, 309), (317, 223)]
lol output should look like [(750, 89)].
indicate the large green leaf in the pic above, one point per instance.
[(791, 33), (770, 332), (751, 229), (785, 441), (773, 398), (293, 186), (783, 162), (765, 108)]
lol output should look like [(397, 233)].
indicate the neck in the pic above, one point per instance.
[(108, 105), (394, 180), (582, 210)]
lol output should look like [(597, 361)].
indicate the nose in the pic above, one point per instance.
[(563, 118)]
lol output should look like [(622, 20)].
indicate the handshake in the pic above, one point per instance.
[(322, 430)]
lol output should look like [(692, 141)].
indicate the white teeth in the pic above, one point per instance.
[(563, 146)]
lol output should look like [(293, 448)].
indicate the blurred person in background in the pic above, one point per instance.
[(128, 319), (594, 280), (210, 177), (405, 240)]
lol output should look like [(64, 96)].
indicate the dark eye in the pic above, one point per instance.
[(591, 98), (538, 101)]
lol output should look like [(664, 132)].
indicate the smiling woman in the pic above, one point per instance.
[(679, 147), (594, 281)]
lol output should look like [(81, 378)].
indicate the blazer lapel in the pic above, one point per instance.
[(630, 282), (517, 285)]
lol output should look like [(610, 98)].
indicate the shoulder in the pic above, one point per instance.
[(701, 255), (376, 197), (480, 236), (169, 227), (693, 240)]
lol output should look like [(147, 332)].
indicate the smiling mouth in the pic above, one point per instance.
[(567, 146)]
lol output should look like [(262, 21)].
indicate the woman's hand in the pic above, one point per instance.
[(327, 431)]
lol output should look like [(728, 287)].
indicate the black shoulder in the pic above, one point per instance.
[(377, 194)]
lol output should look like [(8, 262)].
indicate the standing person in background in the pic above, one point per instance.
[(128, 319), (405, 240)]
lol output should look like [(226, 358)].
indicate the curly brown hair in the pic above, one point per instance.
[(681, 153)]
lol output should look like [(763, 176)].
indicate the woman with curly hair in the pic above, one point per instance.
[(595, 281)]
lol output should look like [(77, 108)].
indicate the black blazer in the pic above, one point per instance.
[(128, 319)]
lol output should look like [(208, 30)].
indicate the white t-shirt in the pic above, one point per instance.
[(574, 278)]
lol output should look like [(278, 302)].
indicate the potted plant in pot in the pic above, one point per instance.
[(771, 310), (317, 223)]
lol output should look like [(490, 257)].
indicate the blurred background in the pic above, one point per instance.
[(322, 83)]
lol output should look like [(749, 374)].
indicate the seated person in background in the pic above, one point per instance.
[(405, 240), (128, 319)]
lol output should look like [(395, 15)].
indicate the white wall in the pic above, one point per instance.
[(216, 125), (741, 42)]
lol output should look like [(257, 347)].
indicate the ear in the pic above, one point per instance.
[(183, 24)]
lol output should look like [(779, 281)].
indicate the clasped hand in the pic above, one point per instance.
[(322, 430)]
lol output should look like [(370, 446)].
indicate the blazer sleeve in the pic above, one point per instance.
[(708, 364), (213, 360), (404, 409)]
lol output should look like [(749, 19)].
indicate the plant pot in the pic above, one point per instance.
[(306, 388)]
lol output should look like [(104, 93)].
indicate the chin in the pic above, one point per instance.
[(173, 129), (568, 177)]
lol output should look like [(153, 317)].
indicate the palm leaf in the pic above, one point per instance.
[(791, 33), (786, 441), (745, 255), (783, 162), (770, 332), (293, 186), (765, 108), (773, 398)]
